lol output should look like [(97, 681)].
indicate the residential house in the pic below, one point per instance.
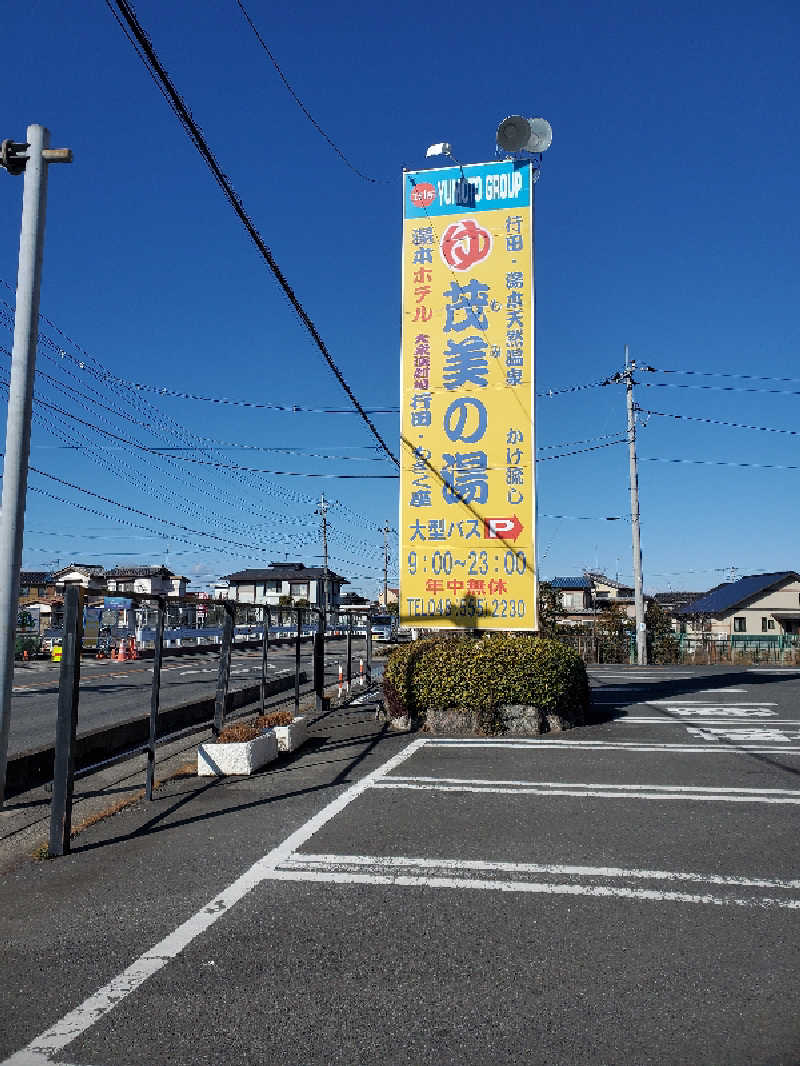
[(147, 580), (607, 592), (392, 596), (37, 586), (762, 606), (88, 576), (294, 581), (671, 602), (150, 581), (574, 595), (39, 600)]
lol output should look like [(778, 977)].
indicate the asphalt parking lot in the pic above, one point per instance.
[(624, 893)]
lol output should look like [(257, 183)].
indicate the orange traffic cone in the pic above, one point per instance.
[(133, 649), (121, 654), (25, 655)]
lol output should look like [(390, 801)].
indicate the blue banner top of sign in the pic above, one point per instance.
[(474, 187)]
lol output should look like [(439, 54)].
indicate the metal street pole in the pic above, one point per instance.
[(31, 159), (385, 566), (323, 510), (641, 631)]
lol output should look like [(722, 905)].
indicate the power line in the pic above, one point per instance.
[(549, 393), (721, 462), (570, 443), (727, 374), (718, 388), (587, 518), (190, 126), (581, 451), (165, 424), (720, 422), (302, 106)]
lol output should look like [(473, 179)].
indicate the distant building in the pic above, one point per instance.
[(36, 586), (392, 596), (86, 575), (607, 591), (290, 581), (574, 595), (147, 580), (760, 605), (671, 602)]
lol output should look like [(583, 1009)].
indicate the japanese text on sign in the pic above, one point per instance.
[(467, 469)]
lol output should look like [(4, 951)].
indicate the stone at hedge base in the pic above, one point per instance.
[(511, 719)]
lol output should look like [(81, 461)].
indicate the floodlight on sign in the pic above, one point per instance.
[(443, 148)]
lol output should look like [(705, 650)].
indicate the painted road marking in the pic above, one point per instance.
[(737, 735), (559, 869), (286, 863), (600, 745), (542, 888), (703, 712), (685, 702), (236, 671), (42, 1049), (562, 788)]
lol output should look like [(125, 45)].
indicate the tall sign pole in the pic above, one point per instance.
[(31, 159)]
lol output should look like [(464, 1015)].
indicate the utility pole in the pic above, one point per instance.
[(386, 566), (641, 631), (30, 159), (323, 511)]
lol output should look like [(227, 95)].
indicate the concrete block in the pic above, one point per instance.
[(219, 760), (291, 737)]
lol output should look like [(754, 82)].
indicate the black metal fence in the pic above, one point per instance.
[(683, 649), (306, 624)]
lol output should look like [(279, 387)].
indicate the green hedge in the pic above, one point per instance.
[(484, 674)]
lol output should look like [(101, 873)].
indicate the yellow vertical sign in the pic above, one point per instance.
[(467, 476)]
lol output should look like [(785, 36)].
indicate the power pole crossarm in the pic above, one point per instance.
[(31, 159), (641, 631)]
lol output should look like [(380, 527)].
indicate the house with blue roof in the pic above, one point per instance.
[(757, 608)]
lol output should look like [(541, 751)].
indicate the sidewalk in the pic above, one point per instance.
[(67, 925), (25, 818)]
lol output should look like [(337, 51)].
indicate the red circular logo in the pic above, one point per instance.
[(465, 243), (423, 194)]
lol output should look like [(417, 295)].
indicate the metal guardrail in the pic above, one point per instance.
[(69, 691)]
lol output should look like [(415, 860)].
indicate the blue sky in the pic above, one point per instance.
[(665, 219)]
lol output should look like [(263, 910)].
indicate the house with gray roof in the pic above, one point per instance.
[(574, 594), (269, 585), (763, 606)]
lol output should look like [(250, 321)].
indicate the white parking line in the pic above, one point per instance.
[(557, 788), (753, 733), (607, 745), (297, 868), (42, 1049), (709, 703), (559, 869), (705, 714)]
